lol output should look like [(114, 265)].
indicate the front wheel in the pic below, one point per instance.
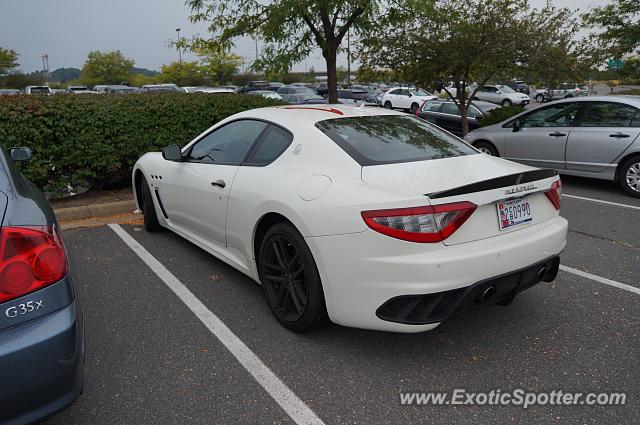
[(486, 147), (630, 176), (414, 108), (290, 279), (387, 105), (539, 98), (151, 223), (506, 102)]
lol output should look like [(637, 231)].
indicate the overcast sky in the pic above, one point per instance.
[(69, 29)]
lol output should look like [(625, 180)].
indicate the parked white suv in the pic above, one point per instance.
[(37, 90), (406, 98), (502, 95)]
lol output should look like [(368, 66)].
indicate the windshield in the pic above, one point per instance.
[(303, 90), (389, 139), (506, 89), (486, 107)]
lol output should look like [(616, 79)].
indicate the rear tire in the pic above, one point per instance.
[(486, 147), (629, 176), (539, 98), (151, 223), (290, 279), (387, 105)]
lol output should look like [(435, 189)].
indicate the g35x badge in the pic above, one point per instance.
[(22, 309)]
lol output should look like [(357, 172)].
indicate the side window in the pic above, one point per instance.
[(473, 112), (560, 115), (394, 91), (609, 114), (450, 108), (404, 92), (271, 145), (431, 106), (228, 144)]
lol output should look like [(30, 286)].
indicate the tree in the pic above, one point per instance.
[(8, 61), (431, 42), (288, 29), (219, 65), (631, 69), (183, 74), (106, 68), (621, 23)]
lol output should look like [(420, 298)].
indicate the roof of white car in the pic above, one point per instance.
[(314, 113)]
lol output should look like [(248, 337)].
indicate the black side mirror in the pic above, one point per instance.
[(172, 153), (516, 126), (20, 154)]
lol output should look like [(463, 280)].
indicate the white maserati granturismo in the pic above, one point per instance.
[(367, 217)]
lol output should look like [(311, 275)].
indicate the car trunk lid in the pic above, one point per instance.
[(480, 179)]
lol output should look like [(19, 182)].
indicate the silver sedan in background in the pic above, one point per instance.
[(589, 137)]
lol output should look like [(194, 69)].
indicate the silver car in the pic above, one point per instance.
[(589, 137)]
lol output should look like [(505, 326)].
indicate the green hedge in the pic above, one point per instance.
[(500, 114), (94, 140)]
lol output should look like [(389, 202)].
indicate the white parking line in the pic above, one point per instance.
[(634, 207), (290, 403), (601, 279)]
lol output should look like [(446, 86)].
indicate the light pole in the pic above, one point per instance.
[(178, 46)]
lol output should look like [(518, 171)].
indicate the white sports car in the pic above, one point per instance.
[(367, 217)]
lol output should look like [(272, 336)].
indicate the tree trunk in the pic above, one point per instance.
[(330, 56), (463, 107)]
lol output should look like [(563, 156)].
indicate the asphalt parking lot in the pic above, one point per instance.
[(150, 360)]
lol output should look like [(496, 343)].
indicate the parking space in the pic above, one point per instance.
[(151, 360)]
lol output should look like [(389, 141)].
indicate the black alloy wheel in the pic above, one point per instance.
[(290, 279), (150, 216)]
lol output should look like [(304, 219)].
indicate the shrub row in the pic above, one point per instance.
[(94, 140)]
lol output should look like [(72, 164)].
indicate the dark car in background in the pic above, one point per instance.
[(256, 85), (519, 86), (41, 324), (446, 115)]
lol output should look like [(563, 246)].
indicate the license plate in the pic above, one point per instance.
[(514, 213)]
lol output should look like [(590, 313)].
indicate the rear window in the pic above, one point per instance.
[(390, 139)]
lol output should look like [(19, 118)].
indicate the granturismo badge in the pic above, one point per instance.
[(519, 189)]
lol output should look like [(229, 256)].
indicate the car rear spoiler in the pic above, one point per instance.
[(495, 183)]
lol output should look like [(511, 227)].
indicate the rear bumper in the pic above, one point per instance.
[(362, 271), (41, 366), (439, 306)]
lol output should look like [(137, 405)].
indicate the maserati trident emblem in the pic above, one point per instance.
[(519, 189)]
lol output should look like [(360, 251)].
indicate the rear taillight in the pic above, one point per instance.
[(554, 194), (420, 224), (31, 258)]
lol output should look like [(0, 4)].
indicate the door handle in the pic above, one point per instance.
[(619, 135), (220, 183), (557, 134)]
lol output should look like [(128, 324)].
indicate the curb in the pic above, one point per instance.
[(95, 210)]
